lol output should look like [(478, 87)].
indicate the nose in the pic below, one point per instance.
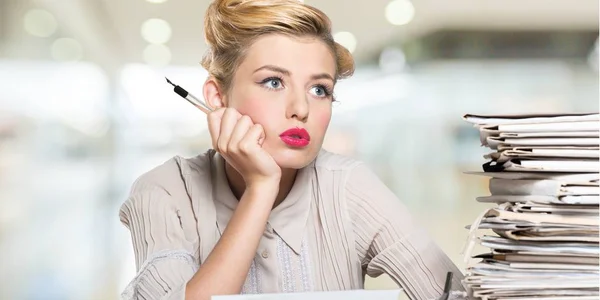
[(298, 107)]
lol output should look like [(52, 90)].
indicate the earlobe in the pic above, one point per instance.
[(212, 94)]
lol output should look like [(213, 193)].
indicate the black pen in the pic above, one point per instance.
[(447, 287), (190, 98)]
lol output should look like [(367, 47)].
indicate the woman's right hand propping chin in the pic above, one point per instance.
[(239, 141)]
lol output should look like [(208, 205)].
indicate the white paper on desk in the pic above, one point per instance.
[(557, 254), (570, 166), (566, 200), (496, 142), (562, 177), (497, 267), (549, 297), (529, 153), (517, 235), (481, 275), (529, 294), (541, 233), (544, 187), (514, 275), (498, 243), (549, 148), (334, 295), (485, 133), (546, 127), (584, 200), (530, 258), (529, 118), (553, 266), (500, 224), (565, 151), (533, 228), (542, 284), (543, 218), (574, 271), (560, 134), (532, 207), (537, 294)]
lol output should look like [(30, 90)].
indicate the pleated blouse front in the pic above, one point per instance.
[(338, 223)]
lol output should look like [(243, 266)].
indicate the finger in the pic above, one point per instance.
[(241, 128), (253, 138), (230, 118), (214, 125)]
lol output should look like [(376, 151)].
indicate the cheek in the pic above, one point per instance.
[(257, 109), (322, 118)]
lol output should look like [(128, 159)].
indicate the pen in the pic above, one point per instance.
[(447, 287), (190, 98)]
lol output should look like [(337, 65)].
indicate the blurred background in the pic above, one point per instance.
[(84, 110)]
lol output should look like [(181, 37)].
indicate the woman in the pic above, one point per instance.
[(268, 210)]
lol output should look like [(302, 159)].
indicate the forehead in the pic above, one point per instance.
[(299, 55)]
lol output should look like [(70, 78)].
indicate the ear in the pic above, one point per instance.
[(212, 94)]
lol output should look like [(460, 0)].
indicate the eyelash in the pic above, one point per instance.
[(326, 88)]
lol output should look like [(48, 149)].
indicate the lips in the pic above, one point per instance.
[(295, 137)]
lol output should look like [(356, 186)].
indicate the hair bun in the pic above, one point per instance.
[(231, 26)]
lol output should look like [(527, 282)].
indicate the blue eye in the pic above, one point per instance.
[(320, 91), (272, 83)]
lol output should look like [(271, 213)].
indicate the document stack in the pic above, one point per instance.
[(542, 234)]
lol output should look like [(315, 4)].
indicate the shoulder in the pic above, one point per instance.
[(353, 171), (353, 179), (329, 161), (170, 176), (348, 177), (164, 188)]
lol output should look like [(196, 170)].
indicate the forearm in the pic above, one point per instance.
[(421, 271), (226, 267)]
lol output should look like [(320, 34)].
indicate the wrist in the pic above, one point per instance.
[(265, 187)]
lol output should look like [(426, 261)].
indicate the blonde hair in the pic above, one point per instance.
[(231, 26)]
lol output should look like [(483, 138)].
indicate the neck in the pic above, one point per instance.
[(238, 186)]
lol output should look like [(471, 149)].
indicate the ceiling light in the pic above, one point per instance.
[(66, 49), (157, 1), (40, 23), (156, 31), (346, 39), (392, 60), (157, 55), (399, 12)]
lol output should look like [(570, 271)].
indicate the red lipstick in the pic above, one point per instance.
[(295, 137)]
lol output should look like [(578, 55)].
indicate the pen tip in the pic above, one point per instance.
[(169, 81)]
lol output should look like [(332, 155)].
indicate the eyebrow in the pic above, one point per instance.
[(287, 73)]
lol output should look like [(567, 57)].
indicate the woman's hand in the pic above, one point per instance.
[(239, 141)]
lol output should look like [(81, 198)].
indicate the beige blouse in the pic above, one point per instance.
[(338, 224)]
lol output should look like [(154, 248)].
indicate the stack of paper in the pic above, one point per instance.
[(543, 234)]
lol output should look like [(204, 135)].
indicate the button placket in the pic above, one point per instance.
[(267, 234)]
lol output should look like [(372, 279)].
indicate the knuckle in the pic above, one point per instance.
[(244, 148), (222, 146), (230, 111), (232, 147), (245, 119)]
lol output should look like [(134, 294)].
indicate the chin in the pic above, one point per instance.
[(289, 158)]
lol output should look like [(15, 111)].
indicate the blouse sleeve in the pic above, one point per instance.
[(390, 241), (165, 258)]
